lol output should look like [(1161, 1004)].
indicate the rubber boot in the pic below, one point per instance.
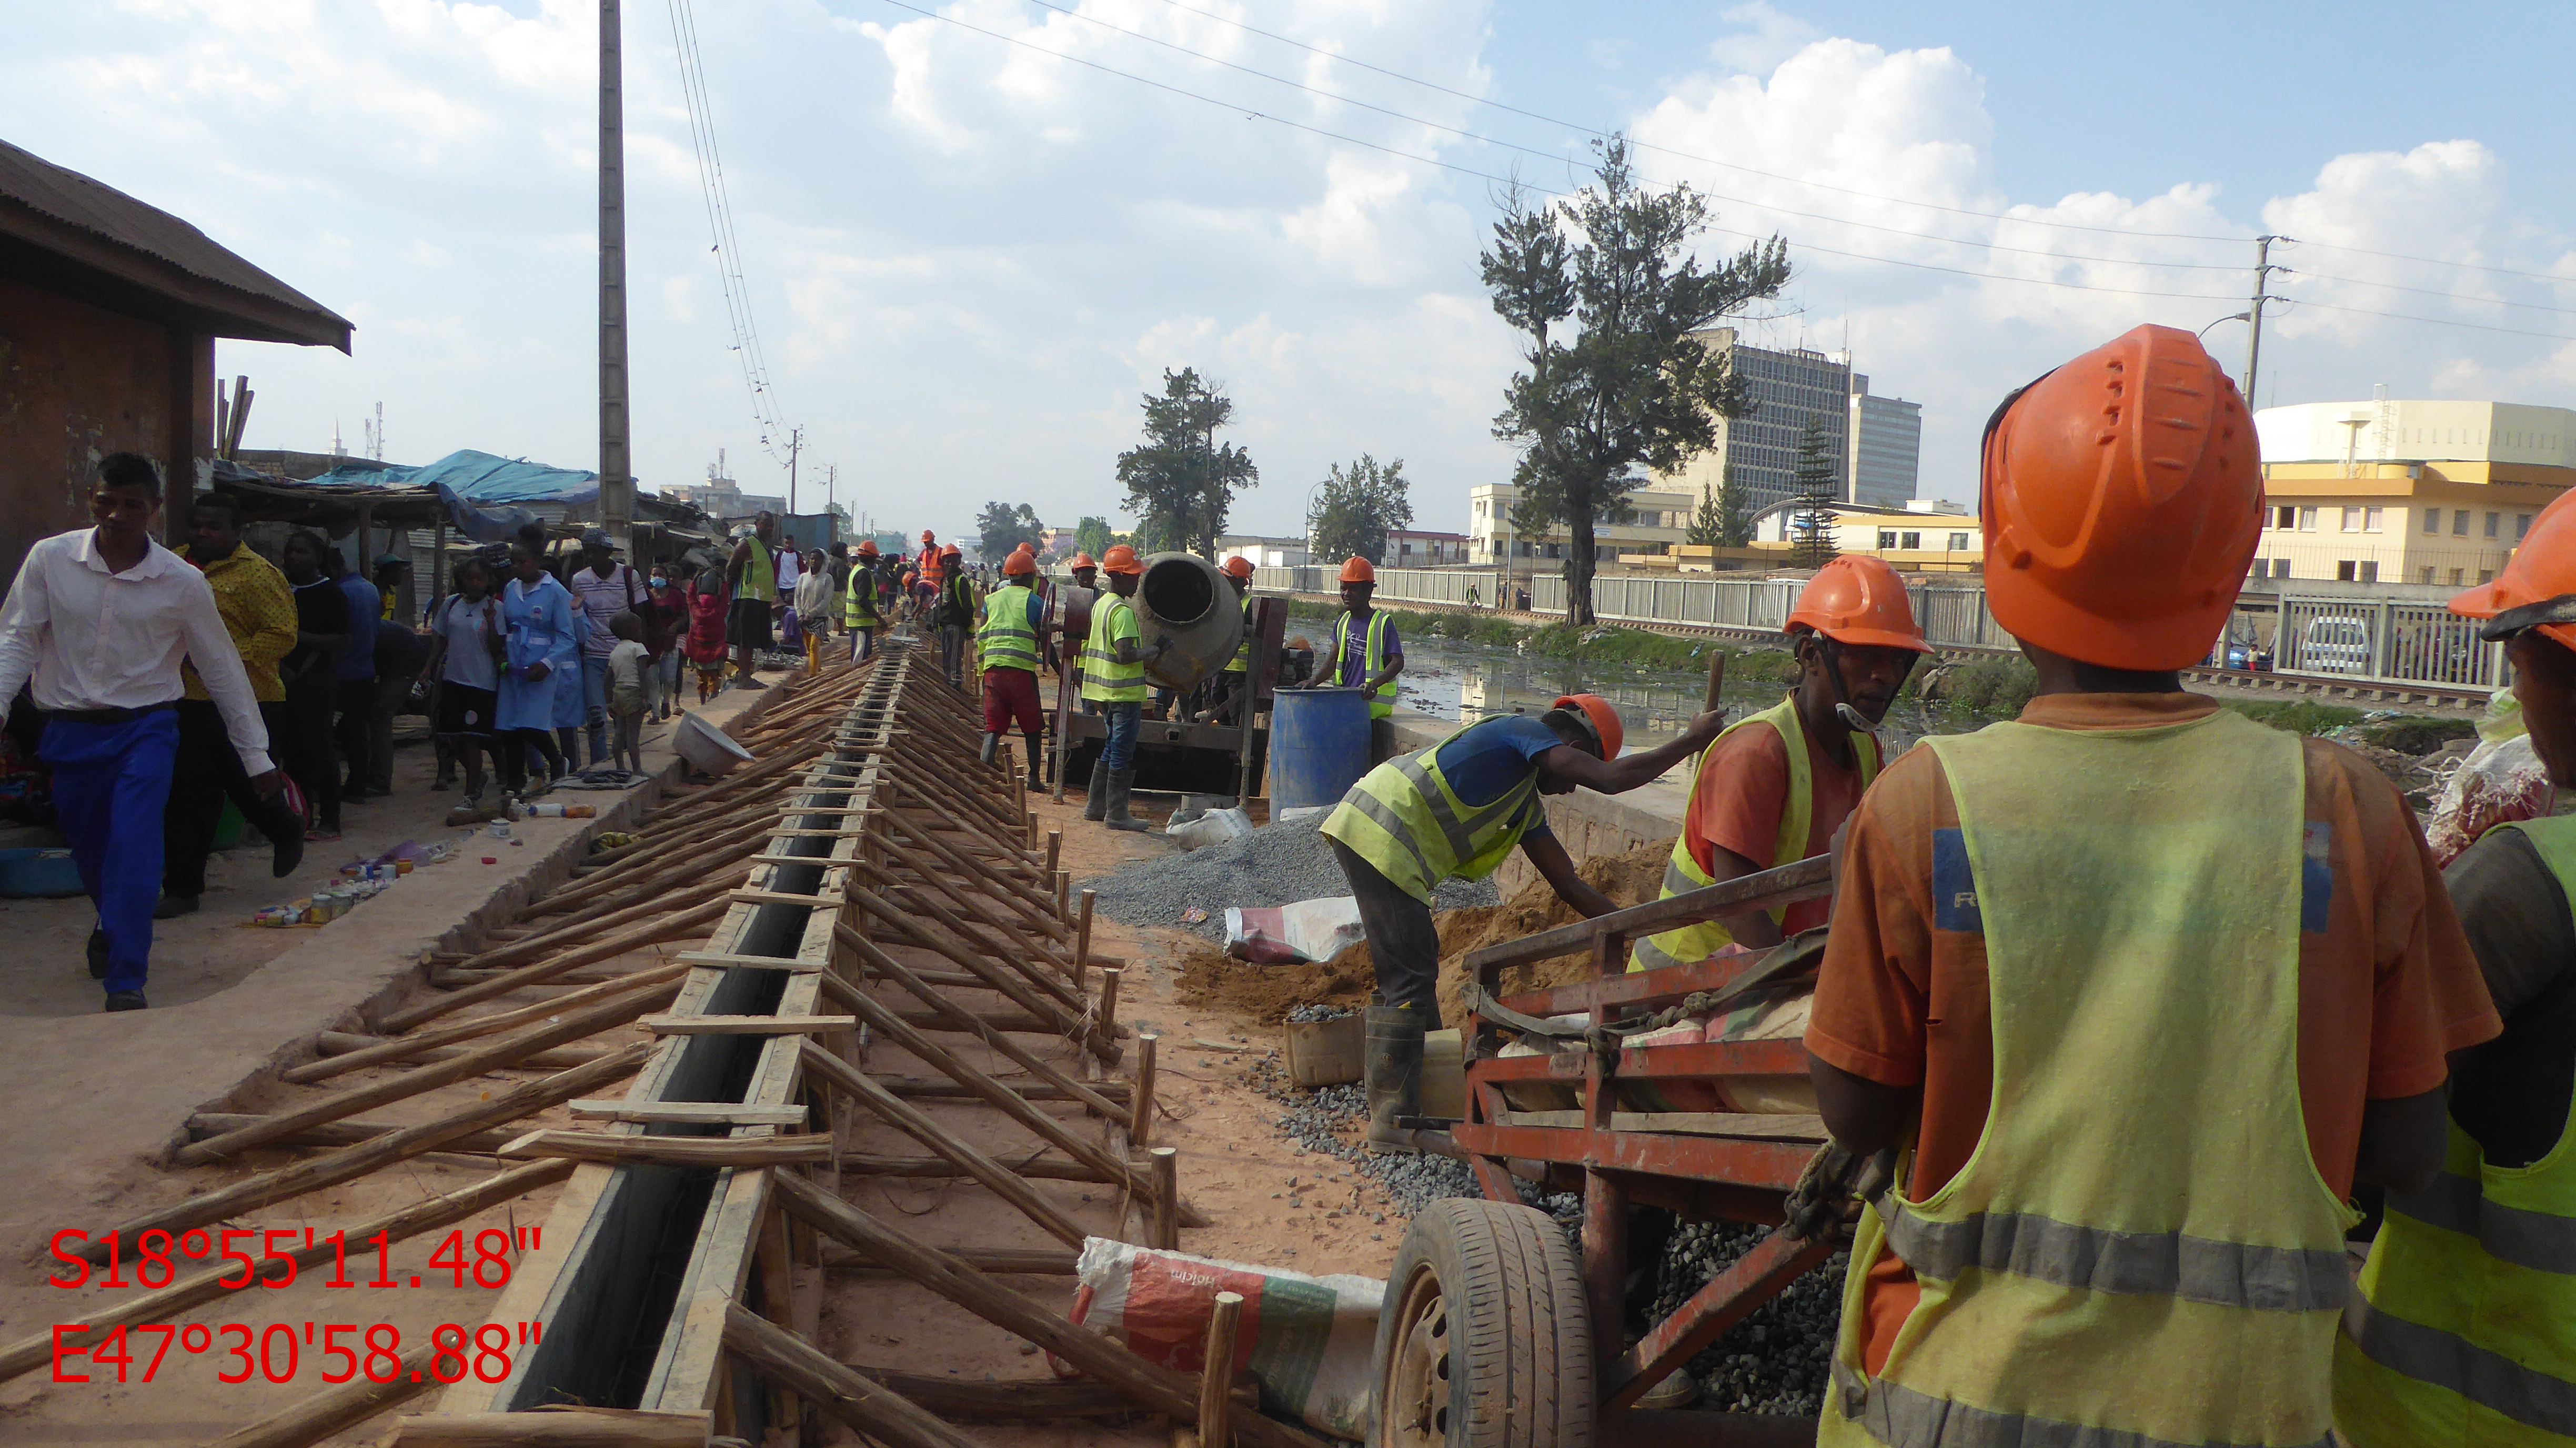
[(1119, 783), (1037, 763), (992, 741), (1095, 806), (1394, 1075)]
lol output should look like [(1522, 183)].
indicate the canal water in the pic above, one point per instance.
[(1452, 679)]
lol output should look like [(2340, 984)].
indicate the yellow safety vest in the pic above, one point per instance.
[(2141, 1251), (1243, 653), (759, 575), (859, 607), (1403, 818), (1682, 874), (1104, 678), (2464, 1331), (1006, 641), (1380, 705)]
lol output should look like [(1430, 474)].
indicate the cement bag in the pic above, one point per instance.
[(1308, 1341), (1215, 827), (1542, 1095), (2502, 780), (1308, 930)]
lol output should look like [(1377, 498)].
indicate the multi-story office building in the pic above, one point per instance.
[(1651, 521), (2406, 491), (1874, 442)]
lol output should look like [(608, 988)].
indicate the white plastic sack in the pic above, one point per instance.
[(1308, 1341), (1213, 828), (1293, 934)]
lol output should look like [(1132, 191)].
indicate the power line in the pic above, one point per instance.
[(727, 243), (1544, 155), (2436, 321), (2429, 292), (2504, 271), (1596, 134)]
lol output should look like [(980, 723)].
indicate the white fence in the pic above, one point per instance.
[(2316, 637)]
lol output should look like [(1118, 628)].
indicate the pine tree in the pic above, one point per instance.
[(1819, 483), (1734, 513)]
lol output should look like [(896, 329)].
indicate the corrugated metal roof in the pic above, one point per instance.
[(75, 200)]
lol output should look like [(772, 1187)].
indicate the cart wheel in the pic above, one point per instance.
[(1485, 1341)]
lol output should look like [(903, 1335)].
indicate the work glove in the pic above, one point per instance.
[(1823, 1201)]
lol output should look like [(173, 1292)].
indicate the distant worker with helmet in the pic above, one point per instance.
[(1454, 811), (956, 616), (1086, 573), (1776, 785), (1014, 619), (859, 606), (929, 570), (1367, 655), (2460, 1332), (2145, 986), (1234, 682), (1114, 657)]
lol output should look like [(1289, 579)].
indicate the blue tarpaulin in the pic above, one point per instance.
[(480, 489)]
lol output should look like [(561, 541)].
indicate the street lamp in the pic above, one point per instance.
[(2230, 317)]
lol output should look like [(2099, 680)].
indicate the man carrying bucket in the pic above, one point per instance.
[(1454, 811)]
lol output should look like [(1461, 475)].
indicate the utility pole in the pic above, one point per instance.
[(795, 441), (616, 472), (2263, 269)]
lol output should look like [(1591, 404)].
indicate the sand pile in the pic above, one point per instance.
[(1266, 993)]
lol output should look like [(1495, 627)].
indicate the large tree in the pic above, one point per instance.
[(1093, 536), (1003, 528), (1180, 482), (1631, 391), (1820, 486), (1355, 508)]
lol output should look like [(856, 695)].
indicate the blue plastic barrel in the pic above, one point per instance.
[(1319, 746)]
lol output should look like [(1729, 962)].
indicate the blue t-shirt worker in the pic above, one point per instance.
[(1366, 654), (1455, 811)]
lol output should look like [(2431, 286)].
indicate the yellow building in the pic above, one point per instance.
[(1923, 536), (2391, 491)]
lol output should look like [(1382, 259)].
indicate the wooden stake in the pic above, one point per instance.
[(1167, 1194), (1109, 1002), (1063, 895), (866, 1406), (556, 1426), (1140, 1121), (1055, 846), (1082, 939), (318, 1417), (1215, 1402)]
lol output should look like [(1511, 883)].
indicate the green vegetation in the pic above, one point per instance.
[(1995, 685), (2297, 716), (2417, 736)]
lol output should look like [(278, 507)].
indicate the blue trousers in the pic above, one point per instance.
[(594, 706), (111, 784), (1124, 720)]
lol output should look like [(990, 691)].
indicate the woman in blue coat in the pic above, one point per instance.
[(542, 650)]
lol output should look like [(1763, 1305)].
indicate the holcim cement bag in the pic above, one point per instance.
[(1293, 934), (1307, 1340)]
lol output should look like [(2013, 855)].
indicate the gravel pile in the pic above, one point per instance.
[(1277, 864), (1318, 1120), (1776, 1359), (1309, 1015)]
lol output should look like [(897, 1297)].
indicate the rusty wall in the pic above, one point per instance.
[(79, 381)]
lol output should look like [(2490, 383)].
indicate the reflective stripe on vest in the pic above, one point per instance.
[(1006, 641), (1373, 661), (1689, 944), (1403, 818), (2141, 1251), (1243, 652), (2465, 1327), (1104, 678)]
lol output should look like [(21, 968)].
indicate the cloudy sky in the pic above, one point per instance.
[(972, 234)]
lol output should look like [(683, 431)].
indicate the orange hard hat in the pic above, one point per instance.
[(912, 575), (928, 536), (1358, 571), (868, 548), (1020, 562), (1121, 559), (1858, 601), (1238, 567), (1595, 711), (1082, 561), (949, 552), (2543, 567), (2122, 499)]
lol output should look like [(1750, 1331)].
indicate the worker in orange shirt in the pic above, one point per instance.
[(932, 570), (1776, 785), (2130, 991)]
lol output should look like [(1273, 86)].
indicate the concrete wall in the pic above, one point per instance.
[(77, 382)]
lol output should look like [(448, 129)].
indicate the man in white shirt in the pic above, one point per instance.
[(99, 619)]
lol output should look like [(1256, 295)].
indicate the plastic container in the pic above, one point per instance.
[(705, 747), (38, 874), (1327, 1053), (1319, 746)]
